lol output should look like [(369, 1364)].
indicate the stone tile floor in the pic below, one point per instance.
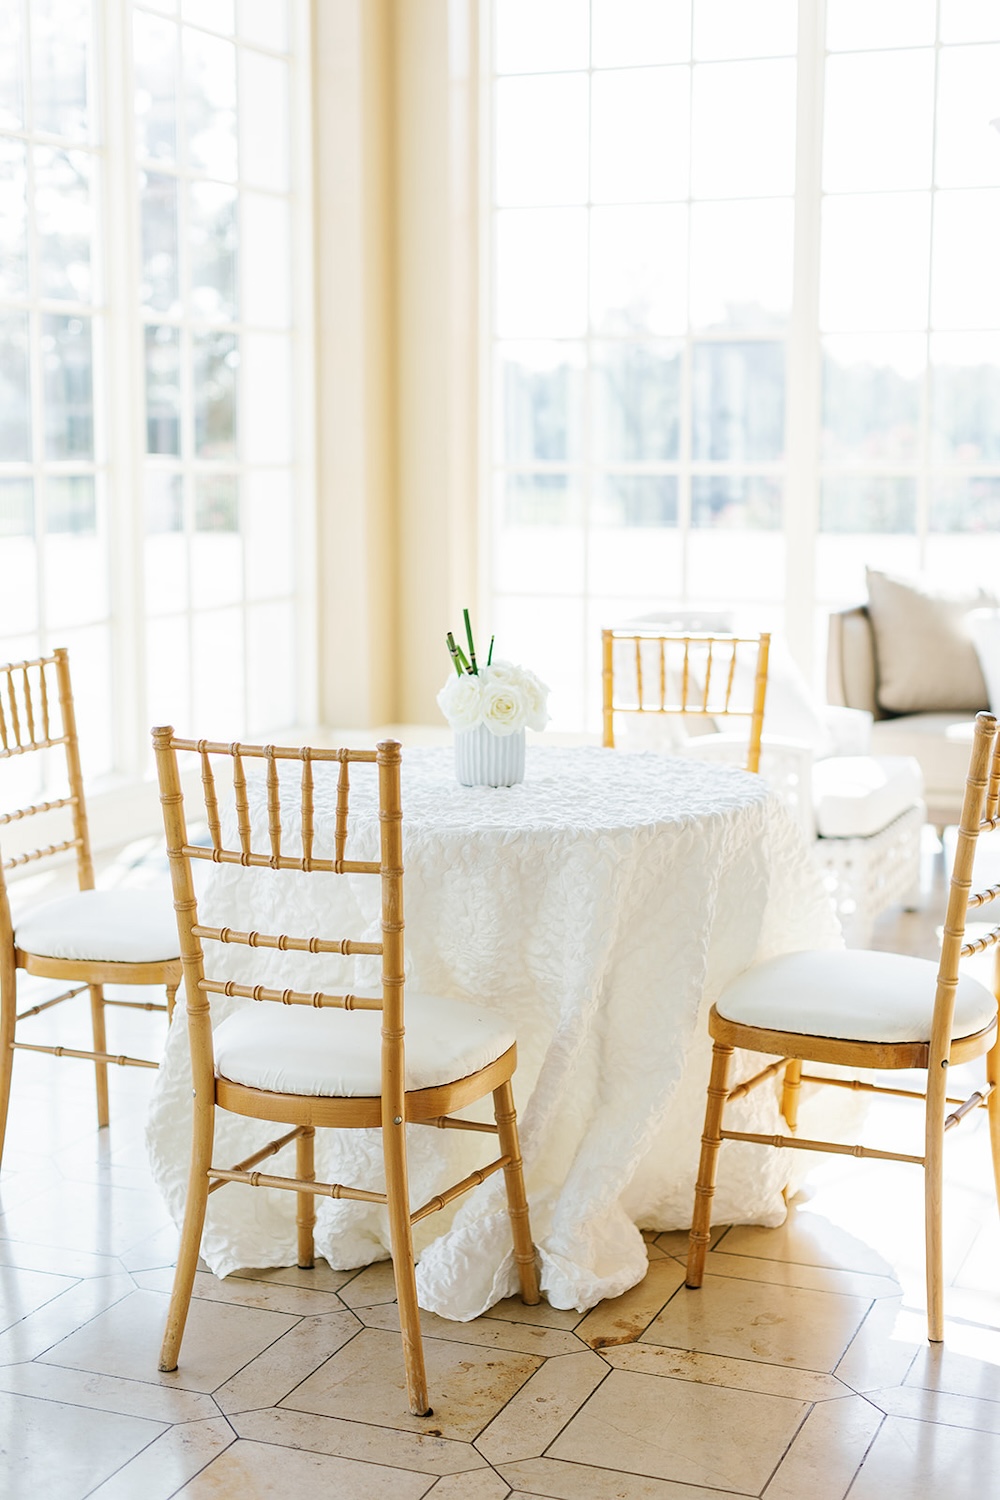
[(800, 1370)]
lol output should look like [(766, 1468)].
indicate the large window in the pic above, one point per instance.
[(152, 187), (745, 312)]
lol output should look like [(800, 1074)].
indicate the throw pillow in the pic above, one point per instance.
[(984, 625), (925, 657)]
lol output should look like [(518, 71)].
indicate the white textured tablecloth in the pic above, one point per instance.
[(601, 905)]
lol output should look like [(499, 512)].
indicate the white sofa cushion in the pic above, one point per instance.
[(855, 796), (336, 1053), (941, 742), (852, 994), (125, 927)]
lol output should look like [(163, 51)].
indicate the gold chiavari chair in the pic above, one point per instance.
[(686, 676), (872, 1010), (90, 938), (326, 1060)]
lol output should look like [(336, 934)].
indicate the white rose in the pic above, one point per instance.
[(535, 696), (504, 709), (501, 671), (461, 701)]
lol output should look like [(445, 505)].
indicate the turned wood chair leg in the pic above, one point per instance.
[(202, 1141), (993, 1111), (517, 1201), (401, 1238), (305, 1218), (700, 1237), (100, 1045), (933, 1194), (790, 1092), (8, 1020), (171, 999)]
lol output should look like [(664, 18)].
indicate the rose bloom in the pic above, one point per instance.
[(461, 701), (504, 709), (535, 695)]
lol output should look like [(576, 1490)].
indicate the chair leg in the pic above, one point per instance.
[(100, 1045), (171, 1000), (8, 1019), (517, 1202), (305, 1218), (701, 1221), (790, 1092), (933, 1193), (401, 1241), (202, 1140), (993, 1110)]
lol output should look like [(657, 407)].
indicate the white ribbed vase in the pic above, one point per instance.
[(483, 758)]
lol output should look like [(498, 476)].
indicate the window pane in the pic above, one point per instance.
[(271, 667), (90, 661), (70, 505), (636, 112), (167, 676), (541, 500), (217, 656), (640, 32), (727, 567), (210, 103), (166, 545), (265, 261), (638, 270), (60, 46), (635, 500), (163, 390), (548, 633), (64, 217), (540, 389), (736, 502), (741, 265), (743, 129), (264, 160), (217, 15), (970, 21), (268, 524), (216, 546), (15, 410), (875, 254), (216, 358), (971, 505), (871, 398), (966, 287), (879, 116), (159, 288), (216, 506), (854, 24), (965, 398), (11, 67), (536, 36), (67, 363), (541, 139), (13, 220), (265, 396), (541, 272), (212, 237), (264, 22), (967, 154), (155, 44), (17, 509), (859, 504), (744, 28), (164, 502), (636, 402), (629, 561), (738, 401)]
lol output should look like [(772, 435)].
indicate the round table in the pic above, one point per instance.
[(600, 905)]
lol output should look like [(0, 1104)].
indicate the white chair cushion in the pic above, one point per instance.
[(852, 994), (855, 796), (336, 1053), (122, 927)]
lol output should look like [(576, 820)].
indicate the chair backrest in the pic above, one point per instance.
[(980, 814), (686, 675), (37, 715), (288, 789)]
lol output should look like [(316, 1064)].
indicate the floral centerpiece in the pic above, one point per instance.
[(489, 709)]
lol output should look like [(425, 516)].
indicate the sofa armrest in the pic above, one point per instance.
[(851, 675)]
